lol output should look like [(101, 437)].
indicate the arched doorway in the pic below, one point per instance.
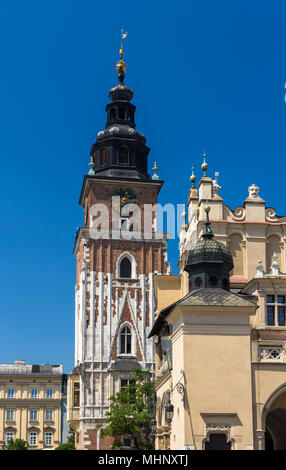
[(217, 441), (275, 433), (275, 421)]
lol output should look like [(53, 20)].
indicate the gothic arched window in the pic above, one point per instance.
[(123, 155), (125, 268), (125, 340), (103, 158)]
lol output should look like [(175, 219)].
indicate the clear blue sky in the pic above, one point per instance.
[(205, 74)]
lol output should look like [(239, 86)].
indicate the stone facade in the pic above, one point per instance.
[(223, 369), (31, 404)]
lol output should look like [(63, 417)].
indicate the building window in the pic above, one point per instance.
[(125, 340), (76, 394), (33, 415), (270, 353), (123, 156), (103, 158), (112, 114), (121, 113), (10, 415), (49, 393), (125, 268), (123, 383), (9, 436), (33, 439), (48, 439), (275, 310), (11, 392), (49, 415), (34, 393), (126, 443)]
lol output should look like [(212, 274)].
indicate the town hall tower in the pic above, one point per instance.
[(117, 250)]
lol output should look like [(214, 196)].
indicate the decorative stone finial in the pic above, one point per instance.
[(204, 165), (193, 177), (259, 270), (120, 65), (91, 166), (215, 186), (155, 170), (253, 191), (274, 268)]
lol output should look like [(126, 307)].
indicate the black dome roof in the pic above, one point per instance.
[(209, 250)]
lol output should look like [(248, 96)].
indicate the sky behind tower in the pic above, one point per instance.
[(206, 76)]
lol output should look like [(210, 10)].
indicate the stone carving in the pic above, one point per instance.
[(238, 213), (253, 191), (270, 353), (260, 271), (274, 268), (270, 214), (218, 427), (215, 187)]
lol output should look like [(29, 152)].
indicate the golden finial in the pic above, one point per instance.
[(120, 65)]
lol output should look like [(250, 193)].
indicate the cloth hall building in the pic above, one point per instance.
[(220, 328)]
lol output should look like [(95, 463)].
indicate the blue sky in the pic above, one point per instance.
[(206, 75)]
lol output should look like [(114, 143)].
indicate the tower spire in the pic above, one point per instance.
[(120, 65)]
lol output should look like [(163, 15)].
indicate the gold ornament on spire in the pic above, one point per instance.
[(120, 65)]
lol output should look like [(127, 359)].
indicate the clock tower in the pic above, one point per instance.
[(117, 250)]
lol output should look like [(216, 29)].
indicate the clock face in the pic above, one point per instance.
[(127, 196)]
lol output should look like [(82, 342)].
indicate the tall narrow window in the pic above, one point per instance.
[(34, 393), (103, 158), (76, 394), (10, 415), (49, 415), (112, 114), (33, 439), (9, 436), (123, 155), (49, 393), (121, 113), (125, 268), (48, 439), (125, 340), (11, 392), (33, 415)]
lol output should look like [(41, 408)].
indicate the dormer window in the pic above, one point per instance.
[(123, 155), (103, 158)]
